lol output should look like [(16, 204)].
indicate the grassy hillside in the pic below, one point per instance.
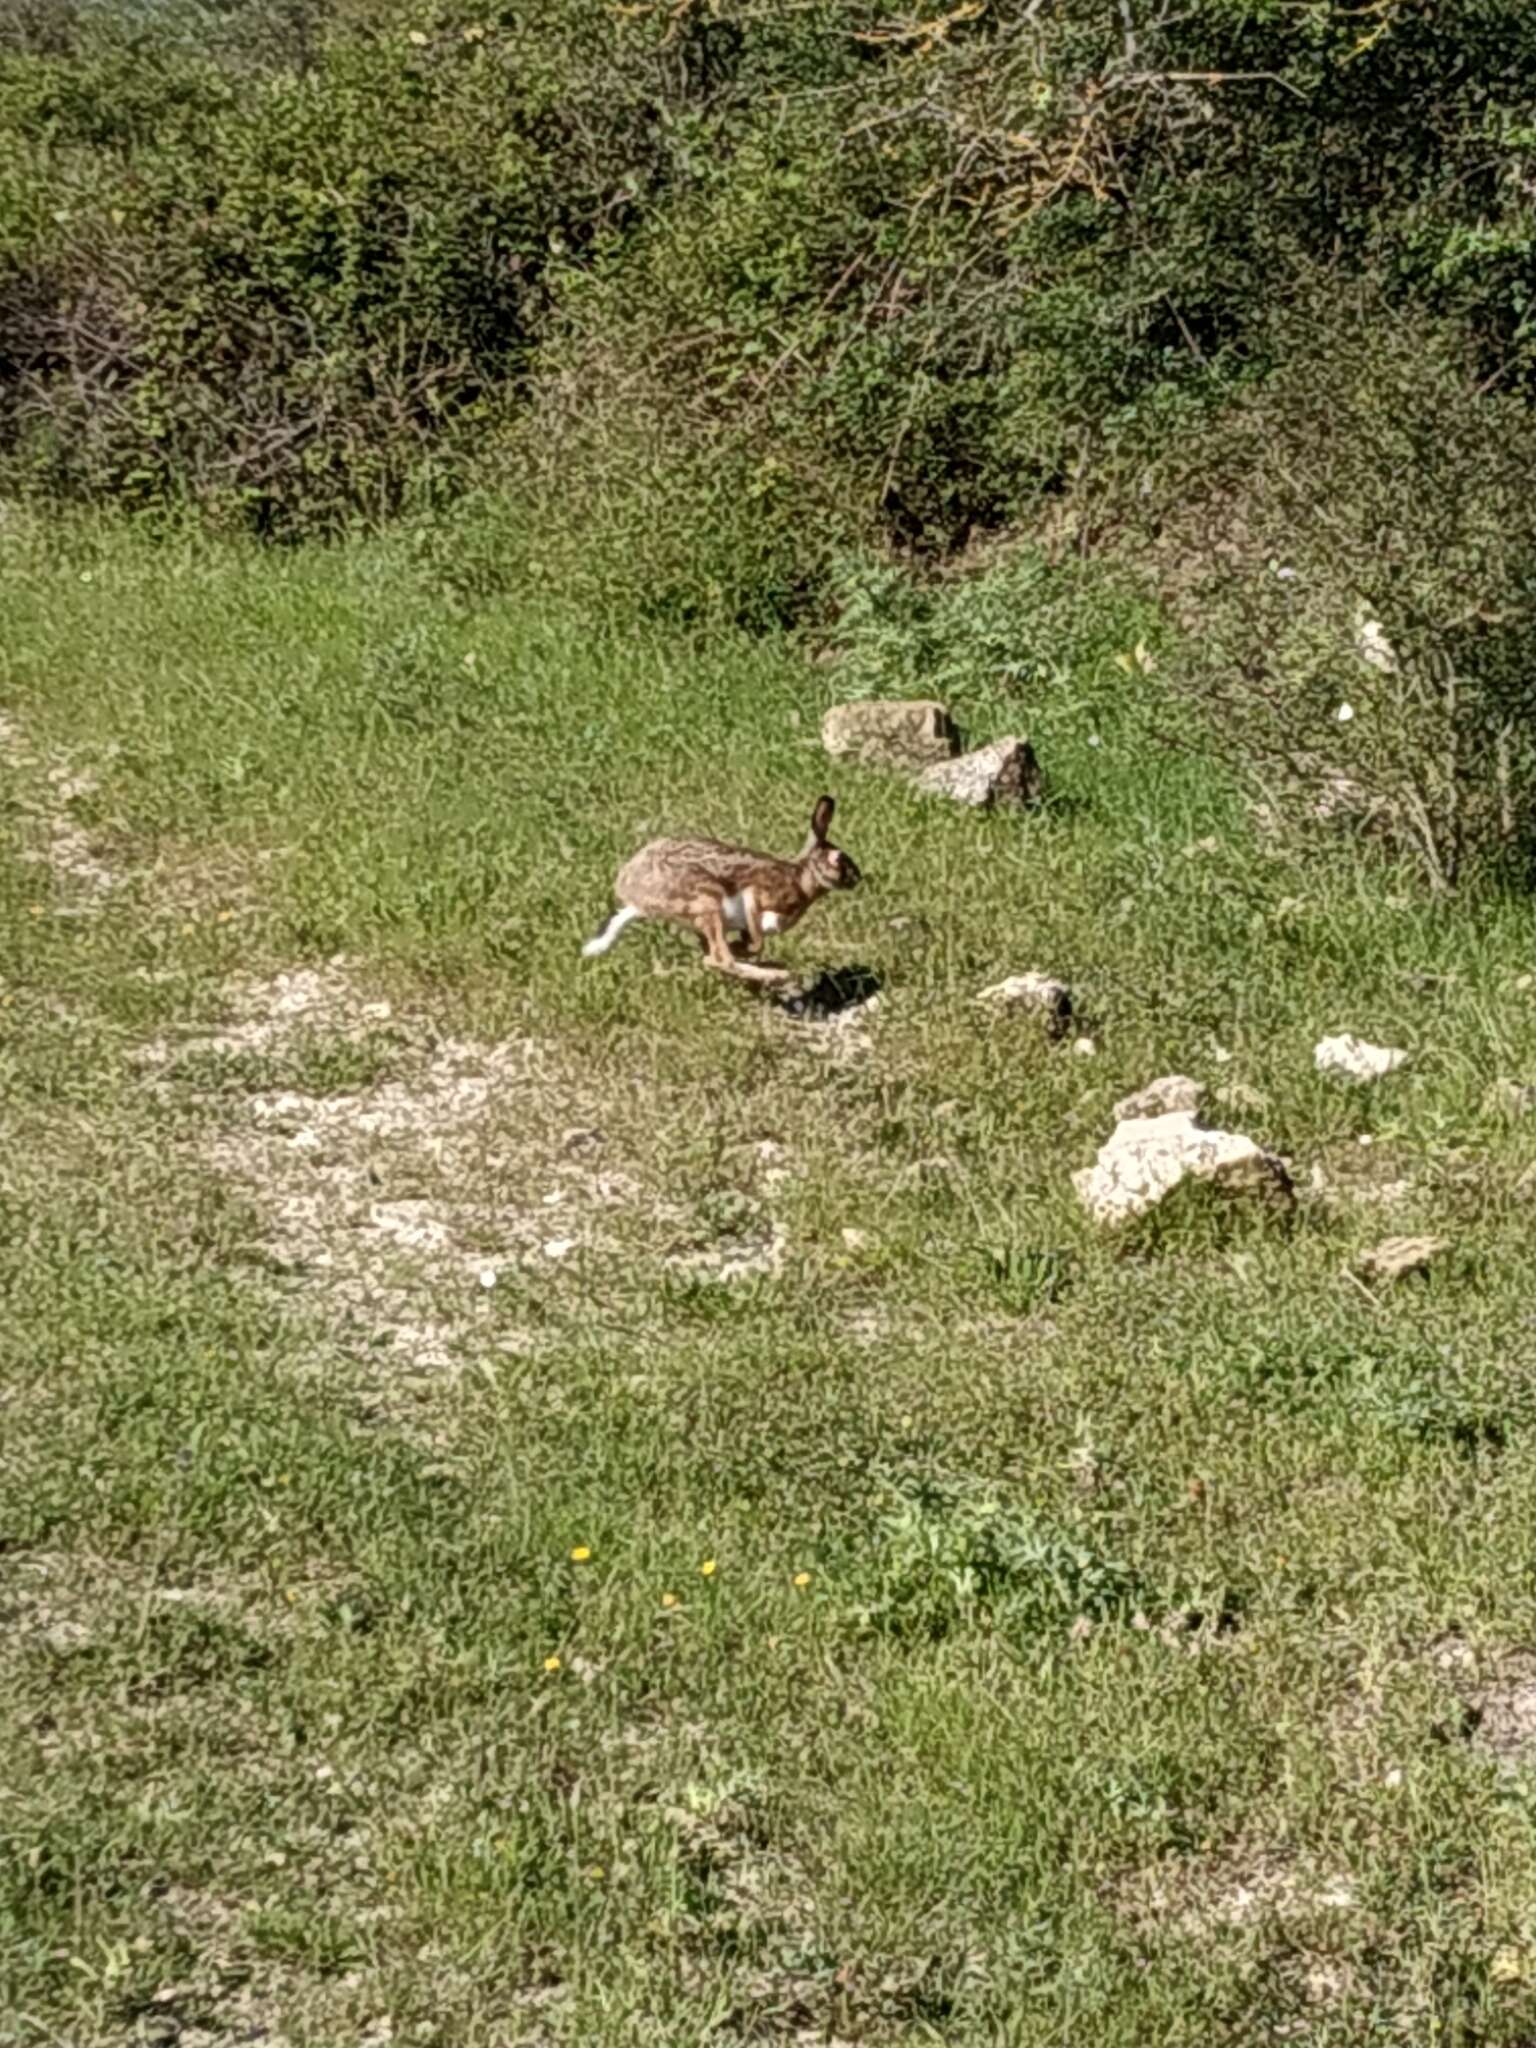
[(553, 1501), (549, 1500)]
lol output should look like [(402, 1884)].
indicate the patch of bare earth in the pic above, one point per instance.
[(236, 1992), (1504, 1712), (1248, 1885), (49, 787), (1306, 1920), (1303, 1914), (67, 1600), (52, 792), (1479, 1693), (417, 1208), (1496, 1689), (756, 1904)]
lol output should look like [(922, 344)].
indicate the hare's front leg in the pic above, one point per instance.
[(718, 954)]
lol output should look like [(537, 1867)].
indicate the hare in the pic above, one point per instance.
[(728, 893)]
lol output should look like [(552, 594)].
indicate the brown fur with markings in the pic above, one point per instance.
[(716, 889)]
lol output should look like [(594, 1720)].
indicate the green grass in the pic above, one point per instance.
[(281, 1749)]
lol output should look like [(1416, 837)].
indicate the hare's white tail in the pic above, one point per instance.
[(601, 941)]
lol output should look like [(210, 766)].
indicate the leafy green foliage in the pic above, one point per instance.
[(951, 1553), (309, 258), (1357, 565)]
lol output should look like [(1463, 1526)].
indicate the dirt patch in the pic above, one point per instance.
[(1363, 1176), (1482, 1694), (422, 1205), (53, 836), (836, 1028), (756, 1905), (1245, 1886), (1502, 1710), (754, 1255), (66, 1601), (236, 1993), (263, 1014)]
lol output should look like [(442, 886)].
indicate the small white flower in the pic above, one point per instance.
[(1345, 713), (488, 1277), (1286, 575), (1094, 740), (418, 37)]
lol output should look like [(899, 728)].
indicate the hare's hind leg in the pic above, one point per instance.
[(601, 940)]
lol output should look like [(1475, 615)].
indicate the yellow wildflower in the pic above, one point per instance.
[(707, 1568), (580, 1554), (551, 1663), (669, 1599), (802, 1578)]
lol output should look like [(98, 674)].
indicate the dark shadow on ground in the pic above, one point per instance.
[(835, 989)]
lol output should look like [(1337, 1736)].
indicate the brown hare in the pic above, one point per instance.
[(727, 893)]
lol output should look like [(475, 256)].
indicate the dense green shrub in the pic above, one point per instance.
[(1005, 632), (284, 296), (738, 315), (292, 258), (1356, 565)]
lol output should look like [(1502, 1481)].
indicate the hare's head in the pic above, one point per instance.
[(827, 866)]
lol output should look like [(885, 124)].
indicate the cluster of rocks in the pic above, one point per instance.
[(1162, 1139), (918, 738)]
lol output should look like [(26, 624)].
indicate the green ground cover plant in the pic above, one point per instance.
[(549, 1500), (957, 1626)]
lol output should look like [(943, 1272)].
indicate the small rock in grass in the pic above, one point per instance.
[(1085, 1048), (1039, 992), (1357, 1057), (890, 733), (1372, 644), (1005, 773), (1146, 1158), (1395, 1257), (1161, 1098)]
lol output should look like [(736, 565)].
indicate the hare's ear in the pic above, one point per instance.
[(821, 820)]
